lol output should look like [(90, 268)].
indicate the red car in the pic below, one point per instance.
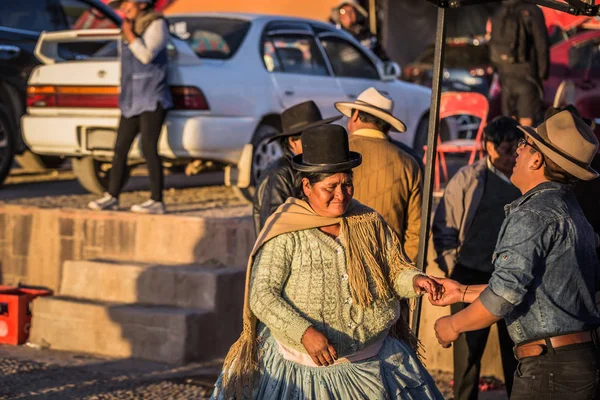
[(575, 72)]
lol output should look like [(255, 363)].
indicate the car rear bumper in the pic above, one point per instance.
[(183, 136)]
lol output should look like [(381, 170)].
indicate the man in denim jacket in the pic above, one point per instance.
[(546, 269)]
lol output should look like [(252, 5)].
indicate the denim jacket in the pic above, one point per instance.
[(546, 269)]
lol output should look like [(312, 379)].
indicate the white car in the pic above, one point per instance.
[(231, 75)]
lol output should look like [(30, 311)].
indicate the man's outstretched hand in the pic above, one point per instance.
[(453, 292)]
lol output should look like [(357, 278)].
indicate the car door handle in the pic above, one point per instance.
[(289, 92)]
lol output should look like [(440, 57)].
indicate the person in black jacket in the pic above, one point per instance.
[(280, 180), (519, 50)]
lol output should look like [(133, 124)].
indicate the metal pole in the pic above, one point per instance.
[(373, 17), (434, 123)]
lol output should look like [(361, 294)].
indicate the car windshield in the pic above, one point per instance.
[(465, 56), (211, 37)]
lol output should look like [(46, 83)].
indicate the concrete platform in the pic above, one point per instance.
[(36, 242), (187, 286), (164, 334), (166, 313)]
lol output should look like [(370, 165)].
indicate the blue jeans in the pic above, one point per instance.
[(569, 372)]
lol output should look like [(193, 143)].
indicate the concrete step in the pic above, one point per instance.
[(163, 334), (186, 286)]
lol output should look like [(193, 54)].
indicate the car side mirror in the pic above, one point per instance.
[(391, 71)]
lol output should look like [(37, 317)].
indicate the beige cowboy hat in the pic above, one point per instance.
[(374, 103), (568, 141), (352, 3)]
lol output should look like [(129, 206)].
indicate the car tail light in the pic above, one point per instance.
[(477, 72), (73, 96), (188, 98), (41, 96), (184, 97)]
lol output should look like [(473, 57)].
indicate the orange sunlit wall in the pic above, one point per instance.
[(314, 9)]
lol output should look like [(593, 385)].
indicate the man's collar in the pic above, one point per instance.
[(542, 187), (370, 133), (496, 171)]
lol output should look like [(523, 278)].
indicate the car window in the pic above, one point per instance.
[(31, 15), (347, 60), (80, 15), (295, 54), (52, 15), (211, 37)]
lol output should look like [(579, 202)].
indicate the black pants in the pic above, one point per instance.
[(522, 97), (468, 349), (569, 372), (149, 125)]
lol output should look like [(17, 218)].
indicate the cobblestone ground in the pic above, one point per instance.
[(44, 374)]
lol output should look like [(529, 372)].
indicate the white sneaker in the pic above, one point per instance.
[(149, 207), (107, 202)]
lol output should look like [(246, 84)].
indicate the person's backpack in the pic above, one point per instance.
[(509, 36)]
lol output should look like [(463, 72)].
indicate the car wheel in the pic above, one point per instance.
[(422, 132), (34, 162), (467, 126), (6, 144), (93, 174), (421, 136), (263, 154)]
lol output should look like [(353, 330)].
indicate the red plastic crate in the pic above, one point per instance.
[(15, 314)]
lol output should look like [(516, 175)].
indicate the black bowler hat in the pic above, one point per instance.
[(300, 117), (325, 149)]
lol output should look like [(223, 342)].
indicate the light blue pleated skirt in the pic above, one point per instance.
[(394, 373)]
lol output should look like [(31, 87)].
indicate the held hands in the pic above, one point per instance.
[(424, 284), (453, 292), (318, 347)]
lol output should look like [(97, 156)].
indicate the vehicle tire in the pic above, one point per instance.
[(34, 162), (422, 132), (263, 154), (6, 144), (421, 135), (93, 175)]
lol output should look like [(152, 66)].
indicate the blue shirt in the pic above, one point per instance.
[(544, 281)]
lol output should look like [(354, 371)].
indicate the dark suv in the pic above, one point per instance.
[(467, 66), (21, 22)]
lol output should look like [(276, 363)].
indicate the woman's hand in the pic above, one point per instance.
[(444, 331), (318, 347), (424, 284), (453, 292), (127, 28)]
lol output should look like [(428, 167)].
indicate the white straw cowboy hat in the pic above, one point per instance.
[(352, 3), (374, 103), (568, 141)]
